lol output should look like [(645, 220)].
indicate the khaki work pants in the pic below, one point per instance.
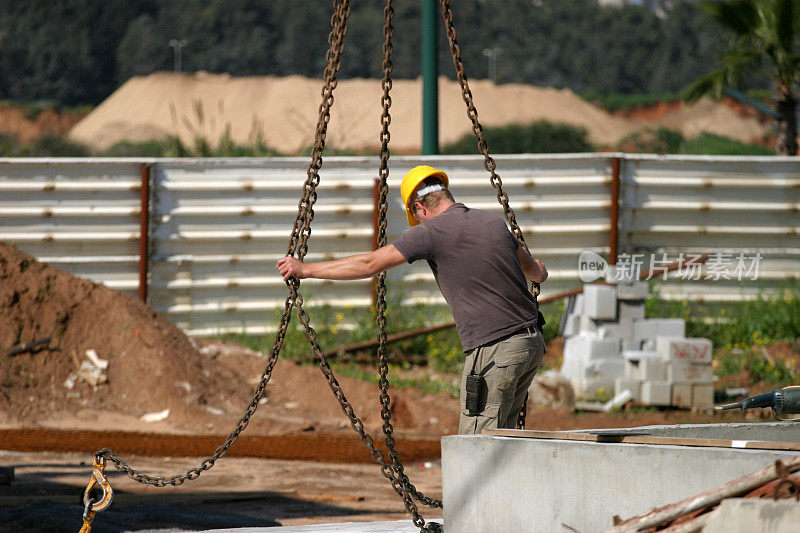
[(508, 366)]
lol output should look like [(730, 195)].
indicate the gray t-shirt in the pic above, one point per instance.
[(473, 257)]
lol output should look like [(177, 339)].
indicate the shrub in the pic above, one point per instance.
[(538, 137)]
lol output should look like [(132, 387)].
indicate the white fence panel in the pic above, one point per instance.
[(79, 215), (730, 206), (217, 226)]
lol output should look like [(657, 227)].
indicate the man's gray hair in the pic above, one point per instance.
[(431, 199)]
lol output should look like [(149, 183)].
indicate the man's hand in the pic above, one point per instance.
[(542, 268), (290, 266)]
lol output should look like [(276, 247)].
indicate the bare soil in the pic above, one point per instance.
[(27, 126)]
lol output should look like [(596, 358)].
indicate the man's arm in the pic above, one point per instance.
[(534, 269), (359, 266)]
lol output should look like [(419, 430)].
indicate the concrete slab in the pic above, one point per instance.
[(769, 431), (739, 515), (398, 526), (522, 484)]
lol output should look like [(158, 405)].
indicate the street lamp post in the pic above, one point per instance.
[(177, 48), (492, 54)]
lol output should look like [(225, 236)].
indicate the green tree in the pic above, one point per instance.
[(765, 39)]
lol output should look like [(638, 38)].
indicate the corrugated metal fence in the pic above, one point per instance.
[(204, 254)]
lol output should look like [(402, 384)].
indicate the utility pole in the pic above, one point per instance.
[(492, 54), (430, 82), (177, 48)]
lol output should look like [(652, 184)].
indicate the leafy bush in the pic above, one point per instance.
[(623, 102), (49, 146), (538, 137), (667, 141)]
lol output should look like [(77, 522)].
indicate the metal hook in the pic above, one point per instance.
[(98, 478)]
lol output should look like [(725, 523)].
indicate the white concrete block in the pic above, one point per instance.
[(638, 290), (587, 325), (702, 395), (572, 325), (682, 371), (636, 370), (652, 369), (607, 368), (630, 310), (651, 328), (695, 350), (578, 307), (615, 330), (632, 385), (681, 394), (600, 302), (656, 393)]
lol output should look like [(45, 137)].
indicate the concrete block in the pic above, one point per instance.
[(651, 328), (638, 290), (682, 394), (656, 393), (572, 325), (652, 369), (682, 371), (693, 350), (754, 515), (702, 395), (587, 325), (607, 368), (632, 385), (630, 310), (578, 307), (600, 302), (492, 484), (633, 364), (615, 330)]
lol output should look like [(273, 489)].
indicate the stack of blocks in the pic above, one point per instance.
[(610, 347)]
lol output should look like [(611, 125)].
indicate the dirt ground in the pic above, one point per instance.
[(193, 387)]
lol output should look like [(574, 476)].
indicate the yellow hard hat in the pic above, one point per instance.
[(410, 183)]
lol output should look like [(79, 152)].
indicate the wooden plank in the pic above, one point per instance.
[(640, 438)]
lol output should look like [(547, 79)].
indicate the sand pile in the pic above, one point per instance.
[(284, 112), (153, 367)]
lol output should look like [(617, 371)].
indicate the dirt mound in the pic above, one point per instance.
[(27, 126), (153, 366), (284, 111)]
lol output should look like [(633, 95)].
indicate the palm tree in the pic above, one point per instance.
[(766, 35)]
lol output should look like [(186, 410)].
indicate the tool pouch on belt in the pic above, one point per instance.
[(475, 390)]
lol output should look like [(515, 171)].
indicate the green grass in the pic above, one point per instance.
[(710, 144), (537, 137), (768, 319)]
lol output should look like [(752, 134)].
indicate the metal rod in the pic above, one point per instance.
[(613, 239), (144, 231), (430, 75), (27, 347)]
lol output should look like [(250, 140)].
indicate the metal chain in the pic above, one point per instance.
[(483, 147), (300, 233), (298, 244), (386, 119), (208, 463)]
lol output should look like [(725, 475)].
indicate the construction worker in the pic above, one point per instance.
[(481, 270)]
